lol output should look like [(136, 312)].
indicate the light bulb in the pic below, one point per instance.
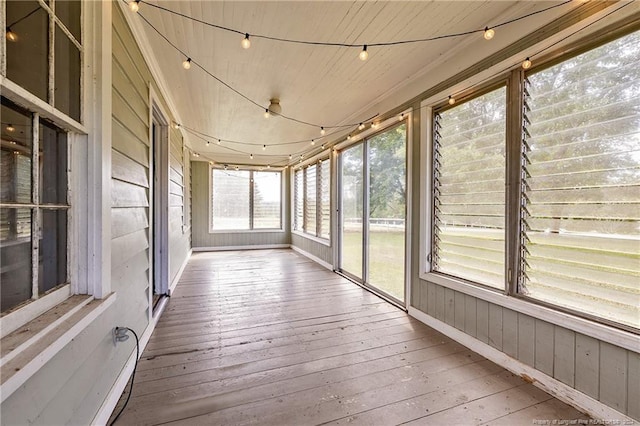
[(246, 43), (207, 143), (176, 125), (451, 100), (348, 137), (322, 131), (268, 166), (133, 5), (251, 156), (11, 36), (290, 156), (266, 113), (374, 125), (264, 147), (186, 64), (364, 54), (313, 142), (219, 141), (527, 63), (361, 126), (10, 128), (400, 117), (322, 146), (489, 33)]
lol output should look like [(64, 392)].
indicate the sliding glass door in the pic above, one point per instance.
[(373, 199)]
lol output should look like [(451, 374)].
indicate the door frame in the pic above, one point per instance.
[(158, 202), (363, 138)]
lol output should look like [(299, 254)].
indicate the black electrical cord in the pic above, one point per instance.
[(133, 375)]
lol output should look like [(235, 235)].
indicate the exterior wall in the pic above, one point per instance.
[(73, 385), (202, 238)]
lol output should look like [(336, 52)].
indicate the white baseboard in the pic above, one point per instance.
[(547, 383), (232, 248), (312, 257)]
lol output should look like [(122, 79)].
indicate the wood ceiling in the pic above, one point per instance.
[(323, 85)]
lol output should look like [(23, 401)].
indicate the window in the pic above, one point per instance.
[(34, 206), (468, 189), (581, 183), (245, 200), (311, 203), (48, 67), (571, 181)]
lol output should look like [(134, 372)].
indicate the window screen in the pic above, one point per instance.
[(267, 190), (298, 214), (469, 189), (310, 205), (581, 183), (230, 199)]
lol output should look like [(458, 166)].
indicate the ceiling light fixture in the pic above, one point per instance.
[(274, 106)]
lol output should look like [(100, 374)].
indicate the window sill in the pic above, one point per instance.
[(323, 241), (31, 346), (245, 231), (603, 332)]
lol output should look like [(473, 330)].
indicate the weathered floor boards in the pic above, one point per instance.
[(269, 337)]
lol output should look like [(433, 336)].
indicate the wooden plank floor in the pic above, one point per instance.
[(269, 337)]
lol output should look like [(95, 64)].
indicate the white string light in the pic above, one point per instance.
[(527, 63), (134, 6), (186, 64), (246, 43), (489, 33), (364, 55), (322, 131), (452, 100)]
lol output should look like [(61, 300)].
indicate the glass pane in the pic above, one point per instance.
[(67, 75), (27, 50), (52, 250), (352, 211), (387, 205), (582, 191), (15, 257), (469, 190), (69, 14), (267, 190), (310, 200), (325, 198), (15, 162), (53, 165), (230, 199), (299, 200)]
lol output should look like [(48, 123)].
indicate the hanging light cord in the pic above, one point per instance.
[(24, 17), (133, 375), (337, 44)]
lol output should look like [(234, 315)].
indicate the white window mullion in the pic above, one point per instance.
[(35, 199)]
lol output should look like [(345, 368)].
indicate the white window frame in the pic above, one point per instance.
[(279, 170), (89, 165), (598, 328), (315, 160)]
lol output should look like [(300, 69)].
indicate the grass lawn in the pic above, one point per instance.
[(386, 259)]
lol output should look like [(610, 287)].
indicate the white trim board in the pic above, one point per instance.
[(547, 383), (174, 283), (247, 247), (312, 257), (32, 367)]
